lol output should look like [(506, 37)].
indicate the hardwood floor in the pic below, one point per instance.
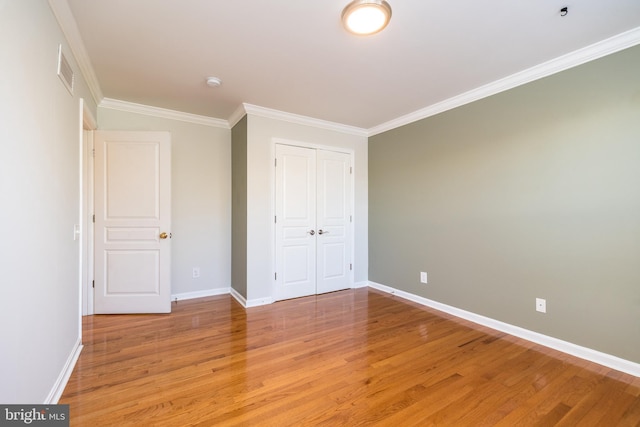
[(356, 357)]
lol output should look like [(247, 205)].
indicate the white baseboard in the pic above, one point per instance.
[(585, 353), (65, 374), (199, 294), (359, 285), (259, 301), (252, 302), (236, 295)]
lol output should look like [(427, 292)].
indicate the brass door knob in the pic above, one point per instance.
[(163, 235)]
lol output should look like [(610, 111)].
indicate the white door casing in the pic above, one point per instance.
[(313, 221), (132, 211), (87, 222)]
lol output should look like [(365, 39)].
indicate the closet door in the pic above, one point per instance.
[(313, 205), (333, 241), (295, 222)]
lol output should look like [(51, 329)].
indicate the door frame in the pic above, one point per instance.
[(88, 125), (303, 144)]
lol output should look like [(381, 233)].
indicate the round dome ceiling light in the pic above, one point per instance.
[(365, 17), (213, 81)]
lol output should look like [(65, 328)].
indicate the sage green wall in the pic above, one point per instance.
[(239, 207), (200, 198), (534, 192)]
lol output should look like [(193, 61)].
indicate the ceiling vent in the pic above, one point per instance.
[(65, 72)]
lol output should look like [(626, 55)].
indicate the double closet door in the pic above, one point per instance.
[(313, 221)]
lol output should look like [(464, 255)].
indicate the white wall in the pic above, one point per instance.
[(262, 132), (200, 199), (40, 203)]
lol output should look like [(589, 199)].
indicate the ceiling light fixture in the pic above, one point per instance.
[(365, 17), (213, 81)]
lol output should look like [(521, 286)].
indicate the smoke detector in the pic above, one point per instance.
[(213, 81)]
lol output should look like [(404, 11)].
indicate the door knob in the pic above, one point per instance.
[(312, 232), (322, 232), (163, 235)]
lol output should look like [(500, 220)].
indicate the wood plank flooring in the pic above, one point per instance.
[(349, 358)]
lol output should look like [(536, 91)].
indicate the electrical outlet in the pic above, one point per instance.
[(541, 305), (196, 272), (423, 277)]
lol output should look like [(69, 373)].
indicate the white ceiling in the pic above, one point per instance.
[(294, 56)]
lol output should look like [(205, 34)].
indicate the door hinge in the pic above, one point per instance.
[(93, 152), (93, 283), (351, 170), (94, 218), (350, 218), (275, 163), (350, 266), (275, 219), (275, 276)]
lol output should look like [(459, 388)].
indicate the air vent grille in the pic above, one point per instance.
[(65, 72)]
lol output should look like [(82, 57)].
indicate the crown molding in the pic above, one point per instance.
[(237, 115), (67, 23), (164, 113), (64, 16), (597, 50), (302, 120)]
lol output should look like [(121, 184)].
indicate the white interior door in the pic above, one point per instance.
[(295, 222), (132, 222), (313, 221), (333, 219)]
